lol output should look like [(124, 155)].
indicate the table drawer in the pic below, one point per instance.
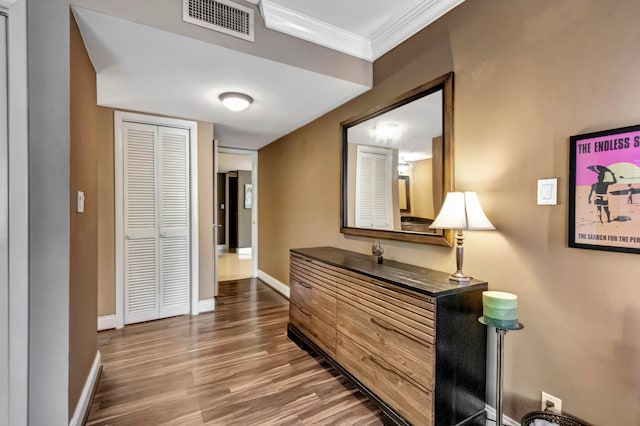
[(313, 298), (396, 389), (408, 350), (419, 322), (308, 270), (322, 333)]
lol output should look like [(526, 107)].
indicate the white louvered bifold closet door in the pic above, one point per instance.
[(141, 224), (156, 219), (373, 190), (174, 221)]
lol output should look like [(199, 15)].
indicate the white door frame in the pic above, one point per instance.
[(216, 225), (17, 326), (254, 208), (192, 126)]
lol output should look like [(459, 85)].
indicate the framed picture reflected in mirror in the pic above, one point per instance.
[(248, 195)]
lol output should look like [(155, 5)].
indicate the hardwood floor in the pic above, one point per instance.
[(234, 266), (234, 366)]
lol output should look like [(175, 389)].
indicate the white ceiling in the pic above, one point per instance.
[(416, 124), (150, 70)]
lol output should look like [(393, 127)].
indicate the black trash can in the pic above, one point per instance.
[(529, 419)]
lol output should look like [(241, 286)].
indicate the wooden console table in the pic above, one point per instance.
[(406, 336)]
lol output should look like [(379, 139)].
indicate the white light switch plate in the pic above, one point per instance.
[(80, 202), (548, 192)]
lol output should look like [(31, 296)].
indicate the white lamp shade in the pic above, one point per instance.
[(462, 211), (452, 214), (476, 219)]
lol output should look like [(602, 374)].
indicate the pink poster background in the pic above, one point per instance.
[(631, 154)]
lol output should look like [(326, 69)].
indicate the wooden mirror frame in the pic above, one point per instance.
[(445, 83)]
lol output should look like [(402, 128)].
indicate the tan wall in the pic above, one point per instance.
[(422, 189), (106, 215), (83, 267), (244, 215), (527, 76), (395, 202), (352, 158)]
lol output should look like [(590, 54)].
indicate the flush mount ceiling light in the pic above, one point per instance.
[(236, 101), (386, 132)]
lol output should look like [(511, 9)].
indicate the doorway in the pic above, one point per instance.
[(156, 217), (236, 214)]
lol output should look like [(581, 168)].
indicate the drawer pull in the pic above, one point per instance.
[(393, 371), (305, 285), (380, 364), (389, 327)]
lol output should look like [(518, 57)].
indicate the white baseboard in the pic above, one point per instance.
[(206, 305), (85, 397), (106, 322), (278, 286), (244, 251), (491, 415)]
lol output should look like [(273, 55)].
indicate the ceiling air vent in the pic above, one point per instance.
[(220, 15)]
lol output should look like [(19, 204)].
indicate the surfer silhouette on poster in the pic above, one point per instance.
[(600, 189)]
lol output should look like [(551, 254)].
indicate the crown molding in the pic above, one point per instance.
[(279, 18), (295, 24), (412, 22)]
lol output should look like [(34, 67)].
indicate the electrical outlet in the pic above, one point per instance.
[(551, 403)]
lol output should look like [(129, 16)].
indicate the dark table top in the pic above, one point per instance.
[(423, 280)]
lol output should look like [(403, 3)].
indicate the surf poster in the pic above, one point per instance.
[(604, 190)]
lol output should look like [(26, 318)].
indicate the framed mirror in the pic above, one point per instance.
[(397, 166)]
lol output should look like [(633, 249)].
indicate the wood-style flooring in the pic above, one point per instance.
[(234, 366), (234, 266)]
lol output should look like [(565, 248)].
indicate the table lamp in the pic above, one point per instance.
[(461, 211)]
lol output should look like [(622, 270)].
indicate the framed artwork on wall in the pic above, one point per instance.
[(604, 190), (248, 195)]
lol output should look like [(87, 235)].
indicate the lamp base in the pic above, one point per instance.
[(460, 277)]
